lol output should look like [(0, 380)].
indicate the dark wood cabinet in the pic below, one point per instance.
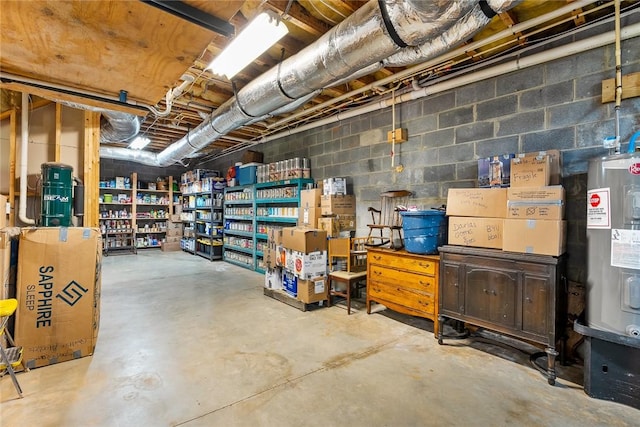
[(521, 295)]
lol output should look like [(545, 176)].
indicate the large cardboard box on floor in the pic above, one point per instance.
[(536, 202), (530, 171), (535, 236), (476, 232), (338, 205), (477, 202), (304, 239), (58, 294), (8, 261)]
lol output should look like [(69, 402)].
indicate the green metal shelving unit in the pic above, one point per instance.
[(249, 209)]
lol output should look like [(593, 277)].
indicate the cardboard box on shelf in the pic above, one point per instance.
[(338, 205), (535, 236), (306, 266), (308, 216), (495, 171), (273, 278), (175, 218), (313, 290), (304, 239), (555, 164), (476, 232), (336, 226), (530, 171), (310, 198), (251, 156), (477, 202), (536, 202), (58, 293)]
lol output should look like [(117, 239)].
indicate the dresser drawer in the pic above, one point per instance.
[(417, 265), (404, 279), (405, 297)]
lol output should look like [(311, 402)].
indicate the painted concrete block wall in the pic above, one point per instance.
[(556, 105)]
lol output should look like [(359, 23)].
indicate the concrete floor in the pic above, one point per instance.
[(187, 342)]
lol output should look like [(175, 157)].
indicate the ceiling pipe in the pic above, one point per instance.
[(574, 48), (24, 150), (372, 33), (408, 73)]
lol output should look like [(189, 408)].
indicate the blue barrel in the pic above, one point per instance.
[(424, 231), (57, 199)]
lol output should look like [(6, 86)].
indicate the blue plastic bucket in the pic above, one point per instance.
[(424, 231)]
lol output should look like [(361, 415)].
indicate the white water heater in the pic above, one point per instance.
[(613, 244)]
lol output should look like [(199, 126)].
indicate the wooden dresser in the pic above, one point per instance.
[(521, 295), (404, 282)]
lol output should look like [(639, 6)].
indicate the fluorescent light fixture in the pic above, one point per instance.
[(139, 143), (258, 36)]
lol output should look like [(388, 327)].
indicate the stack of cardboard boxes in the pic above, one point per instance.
[(174, 233), (296, 262), (329, 208), (527, 216)]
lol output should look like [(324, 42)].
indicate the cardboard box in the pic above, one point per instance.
[(3, 211), (555, 161), (308, 216), (8, 264), (313, 290), (273, 278), (170, 246), (530, 171), (534, 236), (174, 232), (59, 294), (337, 226), (290, 283), (477, 232), (172, 239), (310, 198), (334, 186), (250, 156), (536, 202), (306, 266), (477, 202), (175, 218), (273, 255), (304, 239), (495, 171), (338, 205)]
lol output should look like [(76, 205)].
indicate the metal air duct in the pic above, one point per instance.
[(374, 32)]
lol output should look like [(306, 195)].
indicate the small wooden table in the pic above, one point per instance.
[(404, 282)]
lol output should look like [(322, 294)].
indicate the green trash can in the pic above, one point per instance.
[(57, 195)]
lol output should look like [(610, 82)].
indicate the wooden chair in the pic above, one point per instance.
[(350, 254), (387, 221)]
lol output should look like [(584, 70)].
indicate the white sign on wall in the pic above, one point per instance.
[(598, 208)]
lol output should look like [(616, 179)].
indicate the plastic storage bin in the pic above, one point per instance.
[(424, 231), (246, 174)]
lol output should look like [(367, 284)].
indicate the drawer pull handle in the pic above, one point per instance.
[(455, 285), (424, 264), (493, 292), (377, 257), (527, 299), (485, 291), (379, 273)]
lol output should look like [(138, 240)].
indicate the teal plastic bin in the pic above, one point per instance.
[(424, 231)]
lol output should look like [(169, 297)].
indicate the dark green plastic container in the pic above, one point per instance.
[(57, 194)]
